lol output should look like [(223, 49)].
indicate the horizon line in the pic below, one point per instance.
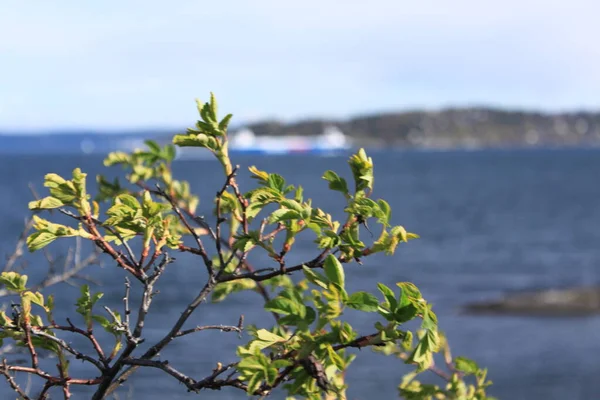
[(82, 129)]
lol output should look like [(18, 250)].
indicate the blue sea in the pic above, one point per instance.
[(491, 222)]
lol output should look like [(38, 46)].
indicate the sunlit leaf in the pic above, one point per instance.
[(363, 301), (334, 271)]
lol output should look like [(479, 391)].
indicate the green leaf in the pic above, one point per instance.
[(39, 240), (117, 157), (224, 289), (298, 195), (153, 146), (314, 277), (14, 281), (169, 153), (96, 297), (46, 203), (288, 302), (106, 324), (86, 302), (48, 231), (108, 190), (250, 364), (224, 124), (271, 375), (214, 109), (407, 340), (336, 182), (281, 363), (265, 339), (351, 237), (276, 182), (337, 360), (284, 214), (245, 242), (50, 303), (362, 170), (128, 200), (141, 173), (466, 365), (262, 176), (423, 352), (282, 305), (389, 295), (196, 140), (405, 314), (60, 188), (254, 383), (266, 336), (429, 318), (410, 293), (5, 320), (36, 320), (36, 298), (103, 321), (46, 344), (363, 301), (334, 271), (79, 182), (410, 303), (386, 212), (293, 205), (400, 233), (53, 180)]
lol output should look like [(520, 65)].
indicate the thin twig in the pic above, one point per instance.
[(44, 393), (223, 328), (18, 252), (11, 381), (256, 276), (243, 202), (127, 263), (29, 344), (201, 249), (280, 227), (432, 368), (127, 310), (79, 355), (210, 382), (163, 365), (220, 219), (108, 386)]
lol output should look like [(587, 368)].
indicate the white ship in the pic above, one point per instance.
[(330, 141)]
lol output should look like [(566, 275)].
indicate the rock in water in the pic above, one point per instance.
[(550, 302)]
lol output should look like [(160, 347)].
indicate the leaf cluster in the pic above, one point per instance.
[(308, 349)]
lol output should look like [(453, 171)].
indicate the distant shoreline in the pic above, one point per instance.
[(468, 128)]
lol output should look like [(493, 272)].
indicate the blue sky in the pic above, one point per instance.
[(137, 64)]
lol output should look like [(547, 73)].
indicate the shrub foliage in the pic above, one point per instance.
[(139, 223)]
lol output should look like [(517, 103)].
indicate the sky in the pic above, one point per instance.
[(140, 64)]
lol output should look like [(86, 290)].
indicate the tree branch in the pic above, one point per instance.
[(18, 252), (201, 249), (108, 386), (256, 276), (4, 370), (223, 328), (91, 223), (78, 355), (220, 219)]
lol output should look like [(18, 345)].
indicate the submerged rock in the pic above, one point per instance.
[(550, 302)]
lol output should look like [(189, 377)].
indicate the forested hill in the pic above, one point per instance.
[(477, 127), (452, 128)]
